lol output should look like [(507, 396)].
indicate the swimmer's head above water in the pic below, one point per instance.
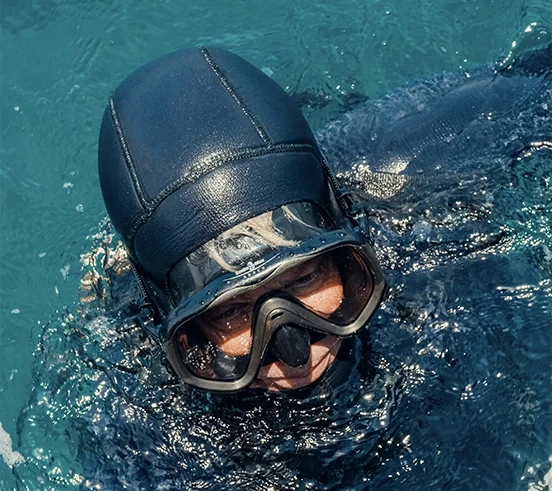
[(253, 264)]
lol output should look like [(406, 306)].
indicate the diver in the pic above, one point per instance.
[(254, 265)]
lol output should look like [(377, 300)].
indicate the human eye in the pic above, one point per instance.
[(308, 279), (227, 316), (227, 313)]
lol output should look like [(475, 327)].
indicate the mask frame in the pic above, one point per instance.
[(275, 311)]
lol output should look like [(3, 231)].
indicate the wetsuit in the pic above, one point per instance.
[(464, 124), (477, 122), (446, 124)]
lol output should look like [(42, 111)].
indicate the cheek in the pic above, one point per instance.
[(236, 343), (234, 340), (327, 299)]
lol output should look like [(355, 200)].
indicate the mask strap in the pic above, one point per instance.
[(355, 211), (146, 310)]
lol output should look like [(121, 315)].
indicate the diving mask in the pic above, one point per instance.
[(276, 317), (234, 316)]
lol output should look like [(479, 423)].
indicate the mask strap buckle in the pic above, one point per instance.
[(146, 310), (146, 319), (355, 211)]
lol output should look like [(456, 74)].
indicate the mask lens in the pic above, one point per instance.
[(247, 242), (357, 283), (335, 286), (217, 344)]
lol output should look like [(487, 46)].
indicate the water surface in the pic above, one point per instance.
[(454, 384)]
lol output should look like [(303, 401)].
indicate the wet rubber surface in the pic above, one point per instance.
[(450, 387)]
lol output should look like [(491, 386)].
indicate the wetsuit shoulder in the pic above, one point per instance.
[(108, 281), (451, 123)]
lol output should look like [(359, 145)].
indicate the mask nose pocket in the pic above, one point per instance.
[(291, 345)]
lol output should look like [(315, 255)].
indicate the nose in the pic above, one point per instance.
[(291, 345)]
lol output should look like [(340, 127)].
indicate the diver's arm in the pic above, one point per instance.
[(447, 124)]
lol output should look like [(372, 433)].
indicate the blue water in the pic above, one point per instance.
[(454, 385)]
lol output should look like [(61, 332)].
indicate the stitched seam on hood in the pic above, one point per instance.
[(211, 163), (234, 94), (126, 153)]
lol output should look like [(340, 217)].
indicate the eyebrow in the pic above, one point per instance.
[(298, 270), (286, 278)]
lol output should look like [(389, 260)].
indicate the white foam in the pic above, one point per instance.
[(10, 456), (65, 271), (548, 479)]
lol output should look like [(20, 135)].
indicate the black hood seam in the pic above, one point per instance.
[(215, 160), (225, 81), (126, 153), (211, 163)]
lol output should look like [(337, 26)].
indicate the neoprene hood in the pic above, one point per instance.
[(194, 143)]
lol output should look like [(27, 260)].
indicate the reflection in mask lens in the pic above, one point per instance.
[(211, 353)]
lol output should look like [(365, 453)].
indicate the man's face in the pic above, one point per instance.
[(317, 285)]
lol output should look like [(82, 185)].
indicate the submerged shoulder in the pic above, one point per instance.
[(448, 123), (108, 280)]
